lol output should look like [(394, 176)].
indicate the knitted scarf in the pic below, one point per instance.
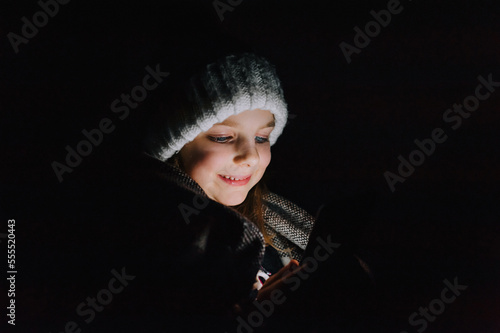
[(288, 224)]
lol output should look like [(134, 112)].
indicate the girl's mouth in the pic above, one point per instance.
[(236, 181)]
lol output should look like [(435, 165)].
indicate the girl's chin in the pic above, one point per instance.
[(232, 203), (232, 200)]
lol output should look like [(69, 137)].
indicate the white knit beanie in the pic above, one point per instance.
[(231, 85)]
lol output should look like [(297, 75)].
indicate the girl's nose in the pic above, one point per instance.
[(246, 154)]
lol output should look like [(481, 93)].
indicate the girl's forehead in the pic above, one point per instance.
[(263, 117)]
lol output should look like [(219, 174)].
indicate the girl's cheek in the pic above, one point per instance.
[(265, 156), (217, 159)]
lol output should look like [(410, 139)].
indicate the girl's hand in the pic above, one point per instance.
[(276, 281)]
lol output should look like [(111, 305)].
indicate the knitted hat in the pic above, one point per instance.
[(230, 86)]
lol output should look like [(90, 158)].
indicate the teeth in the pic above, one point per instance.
[(232, 178)]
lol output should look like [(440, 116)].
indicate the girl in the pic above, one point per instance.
[(217, 143)]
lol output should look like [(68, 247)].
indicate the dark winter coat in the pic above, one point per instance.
[(148, 251)]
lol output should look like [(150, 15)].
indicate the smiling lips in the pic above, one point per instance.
[(236, 180)]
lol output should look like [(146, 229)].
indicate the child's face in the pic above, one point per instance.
[(238, 147)]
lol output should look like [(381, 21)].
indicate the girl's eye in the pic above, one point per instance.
[(220, 139), (225, 139)]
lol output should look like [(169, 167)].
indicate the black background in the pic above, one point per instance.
[(349, 123)]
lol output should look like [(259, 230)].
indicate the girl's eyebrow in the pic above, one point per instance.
[(270, 124), (233, 124)]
